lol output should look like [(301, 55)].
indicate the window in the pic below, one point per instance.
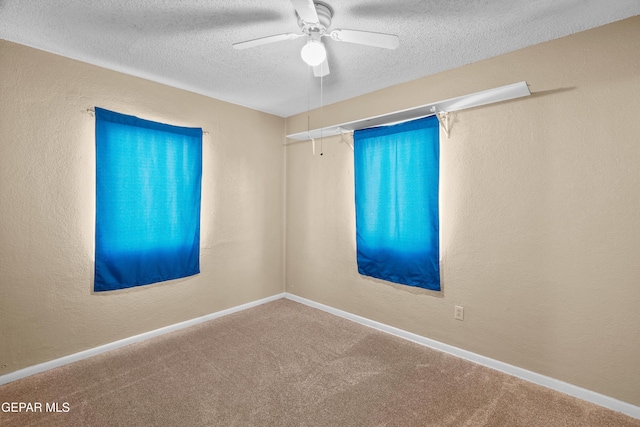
[(148, 184), (396, 191)]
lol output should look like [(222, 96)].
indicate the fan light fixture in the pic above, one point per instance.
[(313, 53)]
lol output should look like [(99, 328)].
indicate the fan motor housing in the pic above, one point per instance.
[(325, 13)]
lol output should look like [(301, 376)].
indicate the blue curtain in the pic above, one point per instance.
[(396, 191), (148, 186)]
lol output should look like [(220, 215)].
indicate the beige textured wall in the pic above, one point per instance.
[(47, 208), (540, 209)]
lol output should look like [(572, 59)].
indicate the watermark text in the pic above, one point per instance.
[(35, 407)]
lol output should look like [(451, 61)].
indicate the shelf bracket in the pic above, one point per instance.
[(443, 118), (344, 139)]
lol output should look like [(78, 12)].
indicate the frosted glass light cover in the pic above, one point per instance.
[(313, 53)]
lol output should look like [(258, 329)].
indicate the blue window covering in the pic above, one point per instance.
[(148, 184), (396, 191)]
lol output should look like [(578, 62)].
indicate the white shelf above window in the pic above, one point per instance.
[(499, 94)]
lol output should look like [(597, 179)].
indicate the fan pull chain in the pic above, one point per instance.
[(321, 113), (309, 109)]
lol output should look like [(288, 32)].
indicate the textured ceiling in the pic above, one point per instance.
[(188, 43)]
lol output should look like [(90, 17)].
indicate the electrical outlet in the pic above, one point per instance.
[(458, 312)]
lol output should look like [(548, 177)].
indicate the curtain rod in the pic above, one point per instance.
[(92, 112), (440, 109)]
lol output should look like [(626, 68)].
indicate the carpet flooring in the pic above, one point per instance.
[(286, 364)]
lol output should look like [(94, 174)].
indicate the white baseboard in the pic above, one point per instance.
[(36, 369), (548, 382)]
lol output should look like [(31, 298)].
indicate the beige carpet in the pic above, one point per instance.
[(285, 364)]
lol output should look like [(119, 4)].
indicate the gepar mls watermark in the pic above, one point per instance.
[(35, 407)]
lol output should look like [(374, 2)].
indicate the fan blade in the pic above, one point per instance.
[(306, 10), (387, 41), (265, 40), (322, 69)]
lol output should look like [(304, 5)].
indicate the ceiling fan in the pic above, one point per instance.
[(314, 19)]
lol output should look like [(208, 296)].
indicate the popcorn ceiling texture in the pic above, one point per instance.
[(187, 44)]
